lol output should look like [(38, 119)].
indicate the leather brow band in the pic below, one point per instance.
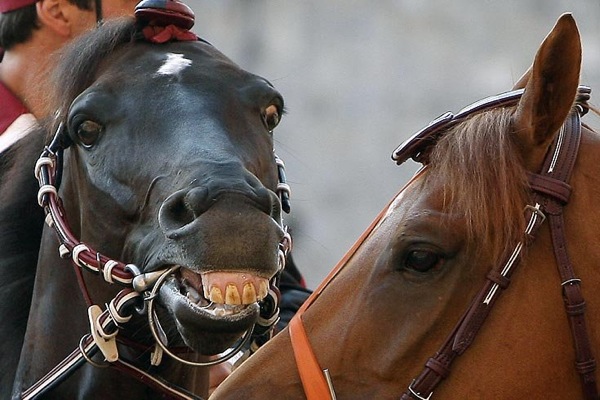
[(417, 145)]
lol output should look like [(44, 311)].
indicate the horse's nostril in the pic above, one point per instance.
[(197, 200), (185, 206), (174, 213)]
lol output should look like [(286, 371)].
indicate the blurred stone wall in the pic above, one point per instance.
[(359, 77)]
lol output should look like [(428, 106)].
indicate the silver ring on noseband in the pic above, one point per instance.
[(88, 358), (153, 328)]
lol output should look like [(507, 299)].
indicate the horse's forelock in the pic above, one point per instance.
[(79, 62), (484, 180)]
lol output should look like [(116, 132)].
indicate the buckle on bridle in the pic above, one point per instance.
[(537, 217), (418, 395)]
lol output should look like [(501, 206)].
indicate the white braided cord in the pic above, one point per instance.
[(45, 189), (42, 161), (107, 270), (75, 256)]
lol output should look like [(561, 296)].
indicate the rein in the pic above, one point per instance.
[(551, 193)]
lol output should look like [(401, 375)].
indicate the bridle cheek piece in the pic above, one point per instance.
[(550, 194)]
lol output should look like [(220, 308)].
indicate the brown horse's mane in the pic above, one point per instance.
[(483, 179), (80, 61)]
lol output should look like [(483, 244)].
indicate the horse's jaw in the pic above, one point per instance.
[(213, 310)]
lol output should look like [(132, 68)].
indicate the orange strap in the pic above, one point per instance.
[(313, 380), (311, 374)]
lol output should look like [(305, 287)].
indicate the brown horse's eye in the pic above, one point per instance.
[(88, 132), (423, 260), (271, 117)]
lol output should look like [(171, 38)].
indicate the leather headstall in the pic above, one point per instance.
[(550, 194)]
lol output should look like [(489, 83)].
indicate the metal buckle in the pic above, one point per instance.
[(87, 357), (417, 395), (533, 221), (330, 384)]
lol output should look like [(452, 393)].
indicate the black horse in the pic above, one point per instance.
[(21, 220), (169, 167)]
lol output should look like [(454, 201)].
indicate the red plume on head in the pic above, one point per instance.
[(163, 13), (165, 20)]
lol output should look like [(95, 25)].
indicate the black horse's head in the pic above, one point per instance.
[(172, 164)]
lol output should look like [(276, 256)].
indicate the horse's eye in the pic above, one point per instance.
[(271, 117), (423, 260), (88, 132)]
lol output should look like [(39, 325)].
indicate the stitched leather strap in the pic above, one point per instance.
[(585, 362), (470, 323), (313, 380), (73, 361)]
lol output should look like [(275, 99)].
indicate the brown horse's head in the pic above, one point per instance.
[(407, 282)]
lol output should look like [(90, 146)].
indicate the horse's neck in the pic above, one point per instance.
[(21, 222)]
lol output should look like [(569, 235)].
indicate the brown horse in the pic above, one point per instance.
[(399, 293)]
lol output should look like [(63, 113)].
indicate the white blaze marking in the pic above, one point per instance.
[(174, 64)]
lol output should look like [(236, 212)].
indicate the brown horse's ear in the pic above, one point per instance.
[(550, 90)]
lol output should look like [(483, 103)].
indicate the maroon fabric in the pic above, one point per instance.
[(10, 5), (10, 107), (160, 34)]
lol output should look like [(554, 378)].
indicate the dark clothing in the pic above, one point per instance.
[(293, 293)]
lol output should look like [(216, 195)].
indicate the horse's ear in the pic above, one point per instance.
[(550, 90)]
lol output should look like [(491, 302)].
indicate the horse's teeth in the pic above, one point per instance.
[(248, 294), (232, 296), (215, 295), (233, 288)]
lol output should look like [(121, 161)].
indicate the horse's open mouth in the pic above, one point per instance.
[(212, 310)]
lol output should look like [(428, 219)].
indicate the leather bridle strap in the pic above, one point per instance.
[(585, 362), (437, 367), (550, 193), (79, 356), (312, 377)]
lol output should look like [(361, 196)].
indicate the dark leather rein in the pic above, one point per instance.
[(550, 194)]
